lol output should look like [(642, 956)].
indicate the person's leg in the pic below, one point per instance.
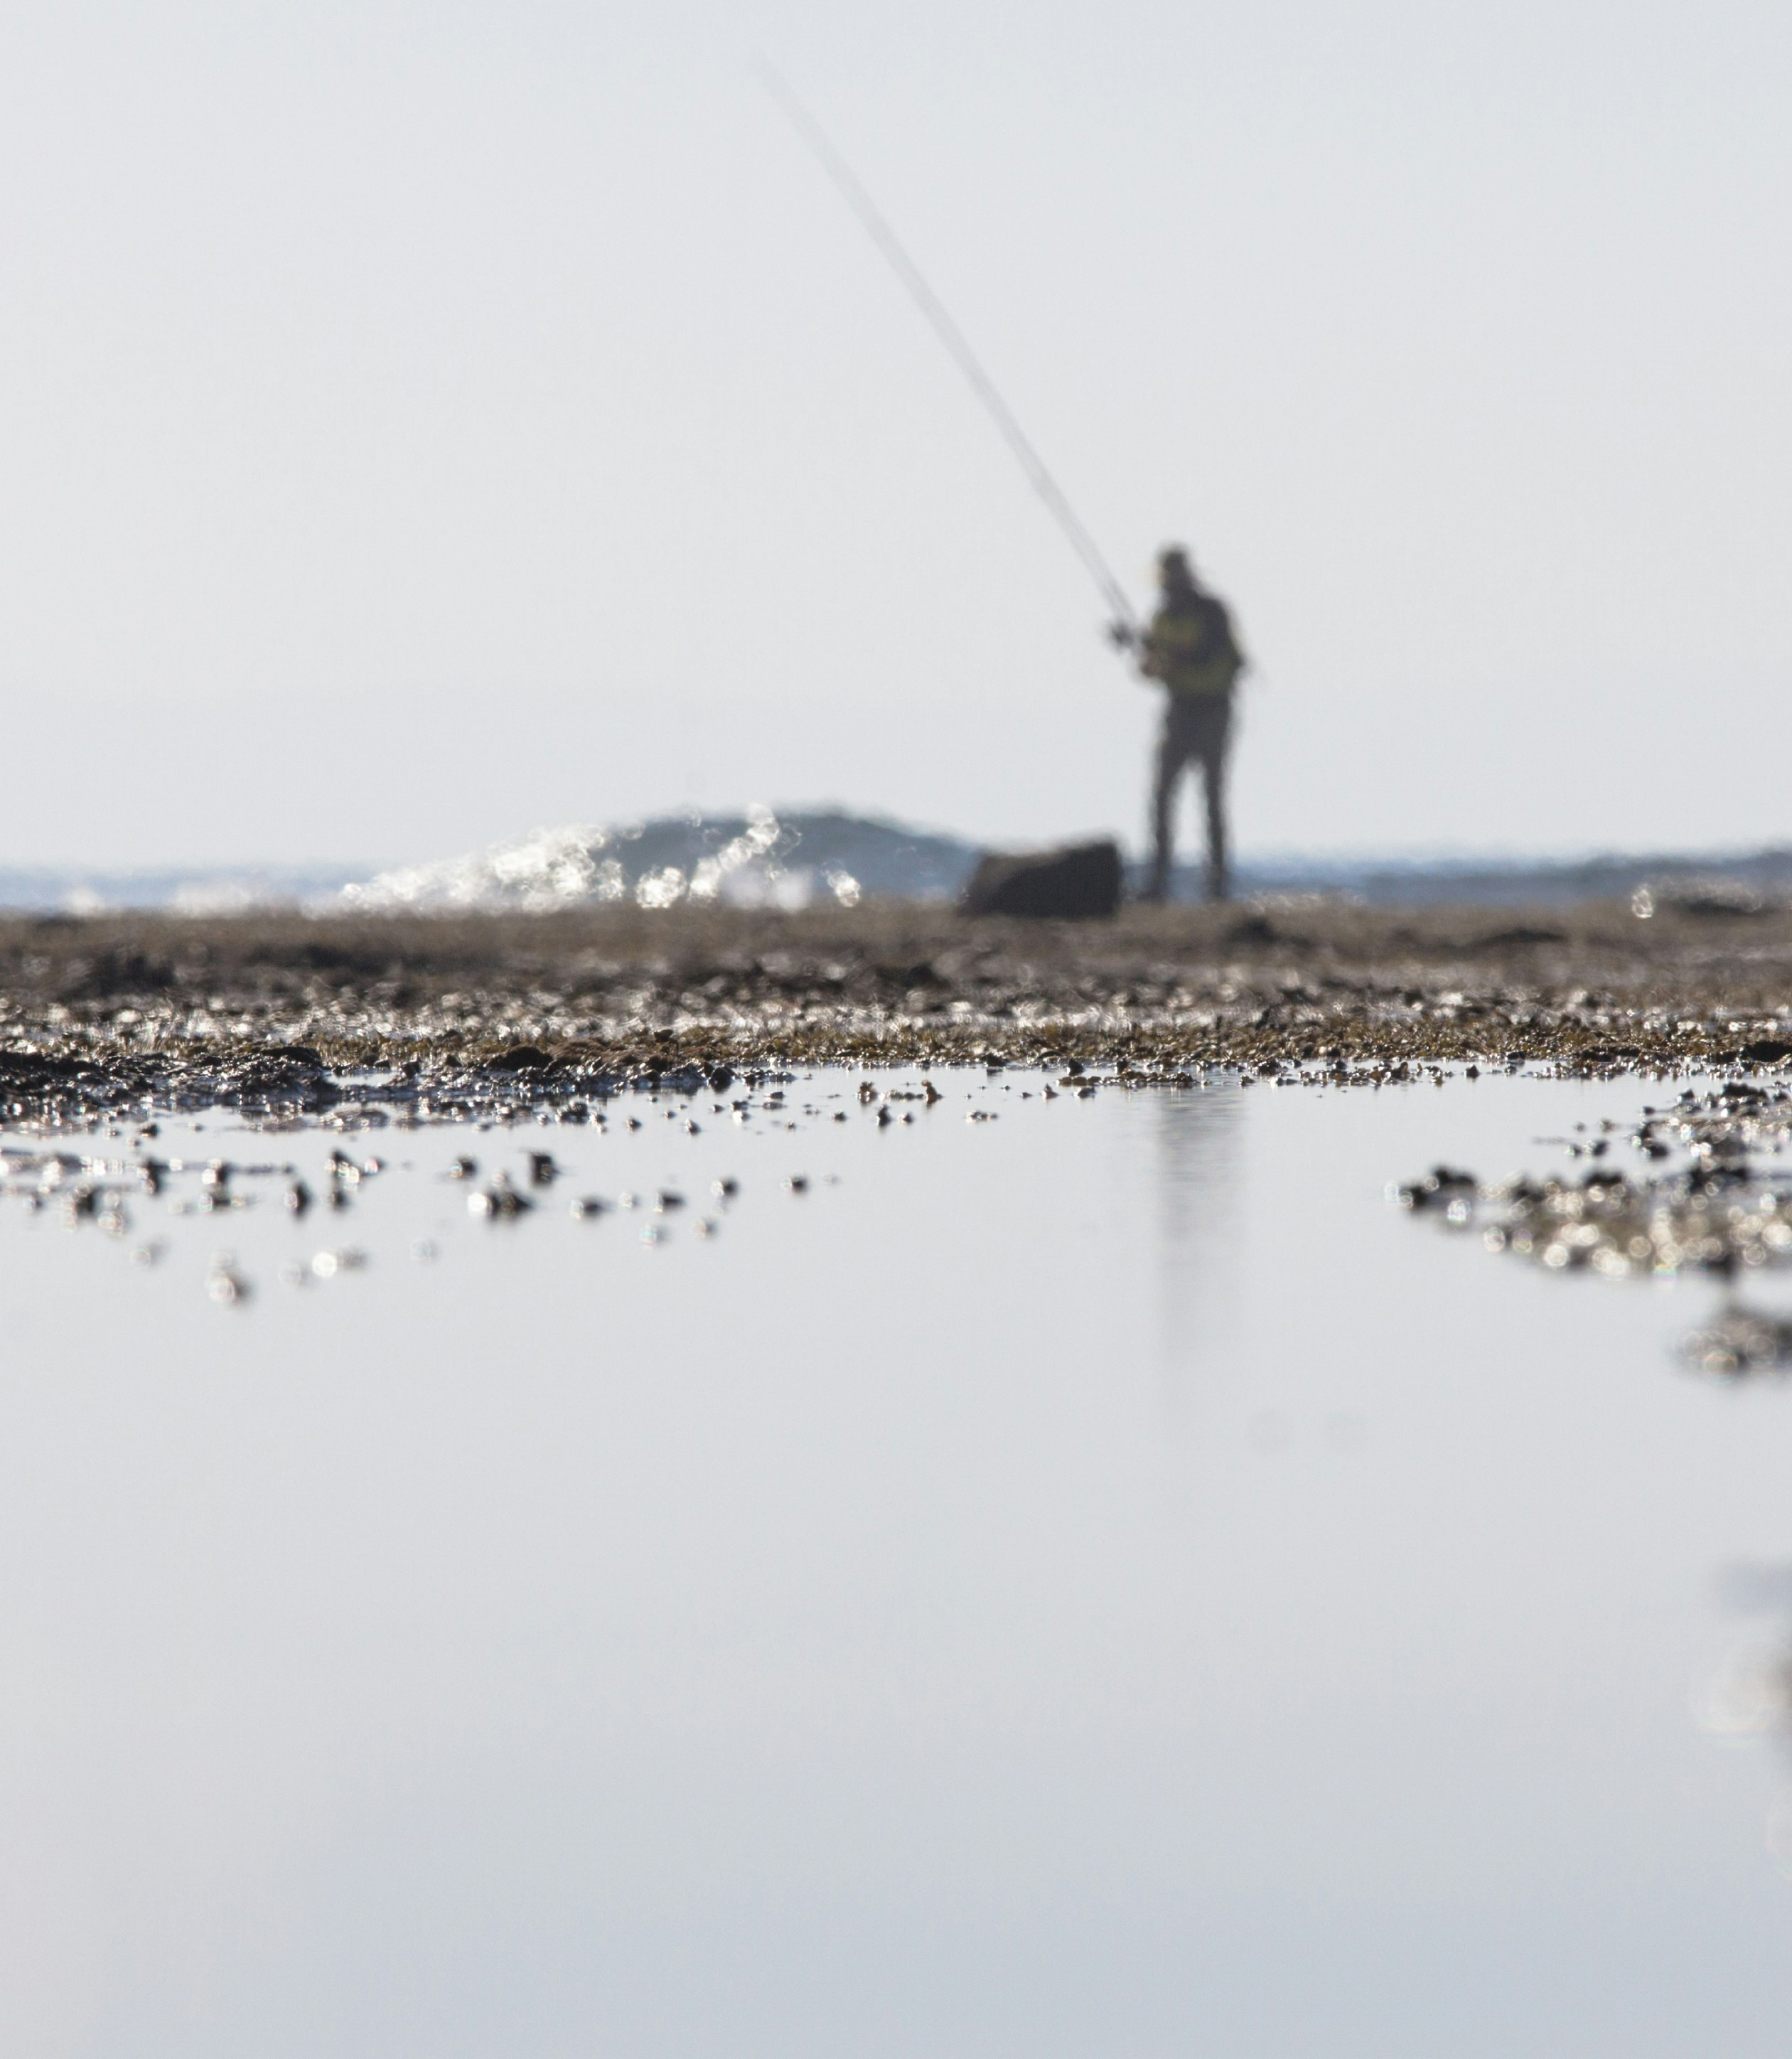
[(1171, 755), (1213, 770)]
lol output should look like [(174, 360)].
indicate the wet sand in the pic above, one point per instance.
[(262, 1009)]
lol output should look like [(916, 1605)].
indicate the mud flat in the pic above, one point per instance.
[(273, 1009)]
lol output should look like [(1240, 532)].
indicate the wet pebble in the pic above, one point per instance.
[(1695, 1204), (225, 1285), (1740, 1342)]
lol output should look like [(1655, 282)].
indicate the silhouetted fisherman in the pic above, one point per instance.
[(1191, 647)]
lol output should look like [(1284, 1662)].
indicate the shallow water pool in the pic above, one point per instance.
[(1092, 1578)]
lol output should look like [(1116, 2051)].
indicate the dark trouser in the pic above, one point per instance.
[(1196, 726)]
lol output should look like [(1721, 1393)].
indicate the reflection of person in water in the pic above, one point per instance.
[(1191, 649), (1198, 1140)]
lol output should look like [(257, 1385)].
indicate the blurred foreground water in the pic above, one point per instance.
[(1042, 1578)]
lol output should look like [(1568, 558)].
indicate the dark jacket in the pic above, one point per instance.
[(1191, 646)]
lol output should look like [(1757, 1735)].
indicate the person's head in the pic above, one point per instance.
[(1175, 574)]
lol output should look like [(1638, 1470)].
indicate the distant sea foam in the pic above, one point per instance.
[(760, 859)]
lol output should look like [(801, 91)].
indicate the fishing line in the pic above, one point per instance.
[(846, 183)]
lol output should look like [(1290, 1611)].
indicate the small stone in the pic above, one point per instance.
[(226, 1286)]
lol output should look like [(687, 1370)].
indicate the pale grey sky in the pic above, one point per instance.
[(417, 423)]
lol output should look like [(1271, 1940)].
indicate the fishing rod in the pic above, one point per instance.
[(846, 183)]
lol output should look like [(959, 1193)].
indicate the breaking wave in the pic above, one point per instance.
[(760, 859)]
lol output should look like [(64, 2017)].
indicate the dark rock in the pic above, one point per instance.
[(116, 972), (678, 1079), (370, 956), (1442, 1184), (1077, 881), (1520, 937), (520, 1058), (31, 1067)]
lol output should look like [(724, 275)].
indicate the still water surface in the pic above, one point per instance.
[(1097, 1580)]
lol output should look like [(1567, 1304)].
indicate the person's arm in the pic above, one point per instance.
[(1145, 654)]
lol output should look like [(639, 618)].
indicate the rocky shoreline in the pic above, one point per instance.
[(290, 1014)]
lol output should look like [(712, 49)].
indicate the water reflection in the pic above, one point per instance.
[(1198, 1146), (808, 1640), (1748, 1700), (1196, 1137)]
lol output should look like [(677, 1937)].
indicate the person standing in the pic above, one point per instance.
[(1192, 650)]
